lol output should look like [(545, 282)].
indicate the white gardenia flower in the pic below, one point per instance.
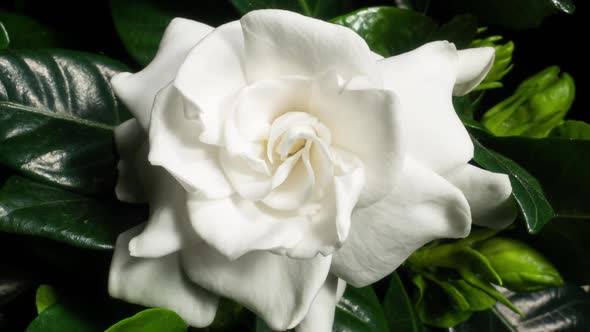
[(282, 159)]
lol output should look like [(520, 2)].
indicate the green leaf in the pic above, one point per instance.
[(13, 283), (572, 129), (31, 208), (389, 30), (4, 39), (141, 23), (564, 308), (522, 14), (359, 310), (45, 297), (398, 308), (460, 30), (560, 166), (565, 242), (529, 195), (261, 326), (59, 318), (539, 104), (26, 32), (521, 267), (57, 112), (151, 320), (315, 8), (434, 306)]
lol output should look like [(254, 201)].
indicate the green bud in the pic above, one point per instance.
[(502, 61), (520, 267), (538, 105)]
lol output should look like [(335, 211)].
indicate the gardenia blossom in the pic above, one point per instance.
[(282, 159)]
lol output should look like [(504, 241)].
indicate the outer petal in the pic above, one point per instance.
[(278, 289), (423, 80), (174, 145), (366, 123), (422, 208), (474, 65), (489, 195), (138, 90), (168, 216), (279, 43), (211, 73), (128, 138), (158, 282), (320, 317)]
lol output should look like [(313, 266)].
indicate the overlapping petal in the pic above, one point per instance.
[(320, 317), (280, 43), (137, 91), (489, 195), (209, 76), (158, 282), (174, 145), (423, 207), (423, 80), (277, 288)]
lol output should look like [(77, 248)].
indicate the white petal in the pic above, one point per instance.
[(423, 207), (158, 282), (423, 80), (276, 288), (128, 138), (168, 217), (138, 90), (279, 43), (246, 181), (365, 123), (489, 195), (320, 317), (474, 65), (174, 145), (235, 226), (211, 74), (329, 228)]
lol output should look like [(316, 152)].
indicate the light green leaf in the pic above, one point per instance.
[(151, 320), (572, 129), (45, 297)]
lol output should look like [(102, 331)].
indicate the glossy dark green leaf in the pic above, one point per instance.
[(522, 14), (60, 318), (13, 283), (4, 39), (529, 195), (389, 30), (359, 310), (564, 308), (560, 166), (151, 320), (315, 8), (141, 23), (31, 208), (398, 308), (572, 129), (26, 32), (460, 30), (57, 112)]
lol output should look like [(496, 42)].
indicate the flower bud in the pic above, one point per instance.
[(538, 105), (521, 267), (502, 61)]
